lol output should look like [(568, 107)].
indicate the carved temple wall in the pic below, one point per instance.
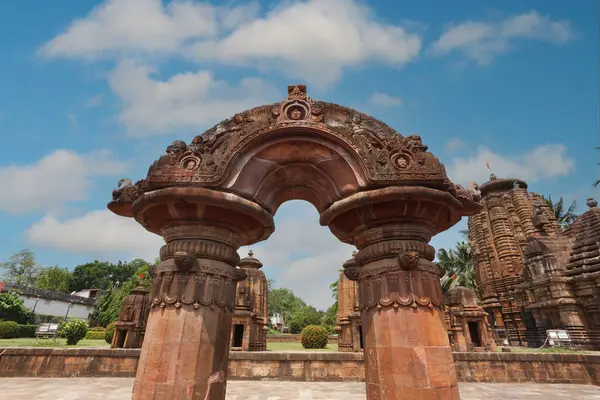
[(532, 275), (348, 316), (251, 316)]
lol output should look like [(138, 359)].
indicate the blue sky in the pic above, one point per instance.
[(92, 91)]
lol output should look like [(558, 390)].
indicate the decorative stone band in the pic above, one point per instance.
[(201, 248), (401, 288), (384, 249), (192, 286)]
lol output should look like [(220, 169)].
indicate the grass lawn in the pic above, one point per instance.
[(30, 342), (297, 347)]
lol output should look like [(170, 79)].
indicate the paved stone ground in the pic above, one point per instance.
[(120, 389)]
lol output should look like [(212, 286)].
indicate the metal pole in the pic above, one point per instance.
[(37, 298), (68, 309)]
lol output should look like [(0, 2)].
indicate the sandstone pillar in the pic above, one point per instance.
[(186, 347), (406, 346)]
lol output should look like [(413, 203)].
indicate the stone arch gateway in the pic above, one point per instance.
[(374, 188)]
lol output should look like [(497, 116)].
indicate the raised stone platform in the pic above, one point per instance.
[(120, 388), (302, 366)]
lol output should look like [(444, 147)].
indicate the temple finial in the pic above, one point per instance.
[(250, 253), (591, 202)]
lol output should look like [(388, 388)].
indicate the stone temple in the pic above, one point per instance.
[(532, 275), (250, 318), (349, 330)]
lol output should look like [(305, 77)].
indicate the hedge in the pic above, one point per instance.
[(12, 330), (27, 331), (95, 335), (9, 329)]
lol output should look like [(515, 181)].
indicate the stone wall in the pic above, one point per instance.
[(294, 338), (305, 366)]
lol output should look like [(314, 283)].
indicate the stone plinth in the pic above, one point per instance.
[(304, 366)]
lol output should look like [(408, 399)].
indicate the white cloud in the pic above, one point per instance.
[(184, 101), (385, 100), (482, 41), (543, 162), (313, 40), (60, 177), (133, 25), (73, 121), (97, 233), (301, 254), (94, 101), (455, 144)]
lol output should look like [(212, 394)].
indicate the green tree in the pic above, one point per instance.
[(12, 308), (283, 301), (334, 290), (54, 278), (307, 315), (21, 268), (565, 217), (458, 267), (330, 317), (100, 274), (110, 303)]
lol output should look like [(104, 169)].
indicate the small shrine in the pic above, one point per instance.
[(468, 326), (250, 318), (348, 327), (130, 327)]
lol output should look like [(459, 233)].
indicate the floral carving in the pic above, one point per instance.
[(385, 154), (401, 288), (184, 283)]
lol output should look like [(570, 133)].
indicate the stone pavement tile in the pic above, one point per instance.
[(120, 389)]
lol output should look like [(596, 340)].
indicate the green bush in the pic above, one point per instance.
[(12, 308), (98, 328), (73, 331), (110, 331), (9, 329), (26, 331), (95, 335), (314, 337)]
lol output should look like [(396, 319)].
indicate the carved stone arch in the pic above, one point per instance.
[(306, 164), (374, 188)]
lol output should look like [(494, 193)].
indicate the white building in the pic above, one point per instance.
[(77, 305)]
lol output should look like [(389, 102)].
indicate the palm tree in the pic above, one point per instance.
[(458, 266), (564, 217)]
